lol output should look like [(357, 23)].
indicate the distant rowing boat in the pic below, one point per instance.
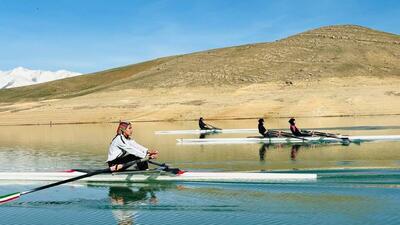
[(277, 140), (151, 176), (224, 131)]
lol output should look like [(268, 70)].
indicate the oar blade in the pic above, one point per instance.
[(9, 197), (175, 171)]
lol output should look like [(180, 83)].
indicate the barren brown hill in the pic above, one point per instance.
[(330, 71)]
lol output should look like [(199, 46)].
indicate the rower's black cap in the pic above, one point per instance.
[(291, 120), (261, 120)]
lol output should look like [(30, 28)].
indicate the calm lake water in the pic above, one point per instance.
[(357, 184)]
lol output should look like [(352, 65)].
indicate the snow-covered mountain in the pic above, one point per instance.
[(21, 77)]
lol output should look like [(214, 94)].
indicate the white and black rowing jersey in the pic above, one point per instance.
[(121, 146)]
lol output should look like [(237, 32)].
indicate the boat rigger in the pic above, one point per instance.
[(277, 140)]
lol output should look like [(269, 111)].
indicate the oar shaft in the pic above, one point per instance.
[(16, 195), (158, 164), (67, 181), (82, 176), (327, 135), (286, 134), (345, 140), (215, 128), (322, 133)]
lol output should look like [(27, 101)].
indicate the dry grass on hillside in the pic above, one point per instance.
[(330, 71), (335, 51)]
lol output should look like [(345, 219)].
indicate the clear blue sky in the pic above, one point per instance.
[(92, 35)]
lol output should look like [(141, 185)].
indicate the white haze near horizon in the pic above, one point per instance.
[(21, 76)]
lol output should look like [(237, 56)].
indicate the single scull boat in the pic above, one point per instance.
[(163, 173), (162, 176)]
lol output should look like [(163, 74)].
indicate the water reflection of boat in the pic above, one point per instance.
[(293, 152), (263, 150)]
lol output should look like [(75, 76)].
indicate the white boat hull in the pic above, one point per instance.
[(223, 131), (231, 177), (288, 140)]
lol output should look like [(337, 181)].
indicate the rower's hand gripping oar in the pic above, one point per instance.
[(16, 195)]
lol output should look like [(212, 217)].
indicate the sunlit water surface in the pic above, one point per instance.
[(357, 184)]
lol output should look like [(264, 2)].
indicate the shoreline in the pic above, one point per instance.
[(327, 98)]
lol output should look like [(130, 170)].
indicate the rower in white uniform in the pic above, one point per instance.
[(124, 149)]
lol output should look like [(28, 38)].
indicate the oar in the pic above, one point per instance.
[(212, 127), (16, 195), (286, 134), (323, 134), (166, 168), (215, 128)]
